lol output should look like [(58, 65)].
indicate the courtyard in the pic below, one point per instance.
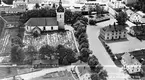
[(126, 46)]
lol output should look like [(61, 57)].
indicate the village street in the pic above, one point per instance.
[(114, 72)]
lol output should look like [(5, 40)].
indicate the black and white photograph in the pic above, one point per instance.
[(72, 39)]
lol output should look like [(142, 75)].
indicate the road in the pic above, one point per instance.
[(114, 72)]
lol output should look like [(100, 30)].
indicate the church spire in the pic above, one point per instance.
[(60, 8), (60, 2)]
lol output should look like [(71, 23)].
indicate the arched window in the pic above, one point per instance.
[(60, 16), (44, 28)]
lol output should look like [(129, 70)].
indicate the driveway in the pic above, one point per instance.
[(114, 72)]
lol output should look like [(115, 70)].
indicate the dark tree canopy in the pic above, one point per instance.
[(46, 50), (43, 12), (95, 76), (121, 18), (68, 17), (92, 62), (66, 54), (16, 54)]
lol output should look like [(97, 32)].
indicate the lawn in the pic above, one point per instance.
[(126, 46)]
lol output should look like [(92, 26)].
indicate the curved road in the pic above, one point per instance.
[(114, 72)]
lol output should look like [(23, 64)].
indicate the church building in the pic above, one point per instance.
[(43, 24)]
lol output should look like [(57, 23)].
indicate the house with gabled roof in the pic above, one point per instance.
[(133, 62), (10, 21), (113, 32)]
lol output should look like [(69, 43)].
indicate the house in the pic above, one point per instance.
[(20, 4), (133, 62), (45, 63), (113, 32), (10, 21), (138, 17), (137, 30), (12, 10), (129, 12), (130, 63), (46, 24), (116, 4), (129, 1)]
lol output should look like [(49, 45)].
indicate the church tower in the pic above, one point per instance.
[(60, 15)]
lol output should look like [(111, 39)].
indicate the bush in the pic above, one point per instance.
[(92, 22)]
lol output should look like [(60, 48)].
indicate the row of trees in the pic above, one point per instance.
[(43, 12), (65, 56), (16, 50), (98, 73), (81, 36)]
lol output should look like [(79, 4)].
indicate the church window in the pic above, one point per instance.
[(52, 28), (44, 28), (60, 16)]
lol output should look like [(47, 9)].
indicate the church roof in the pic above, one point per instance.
[(60, 8), (51, 21)]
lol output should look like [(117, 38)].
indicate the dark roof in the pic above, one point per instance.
[(114, 28), (54, 61), (5, 6), (11, 18), (138, 54), (79, 22), (60, 8), (42, 22)]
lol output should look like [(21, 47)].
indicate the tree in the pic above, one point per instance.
[(98, 68), (121, 18), (37, 6), (16, 41), (43, 12), (84, 19), (83, 40), (75, 17), (65, 54), (16, 54), (85, 52), (92, 62), (46, 50), (30, 53), (68, 17), (90, 10), (103, 75), (95, 76), (83, 45), (98, 10), (82, 35), (92, 22)]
